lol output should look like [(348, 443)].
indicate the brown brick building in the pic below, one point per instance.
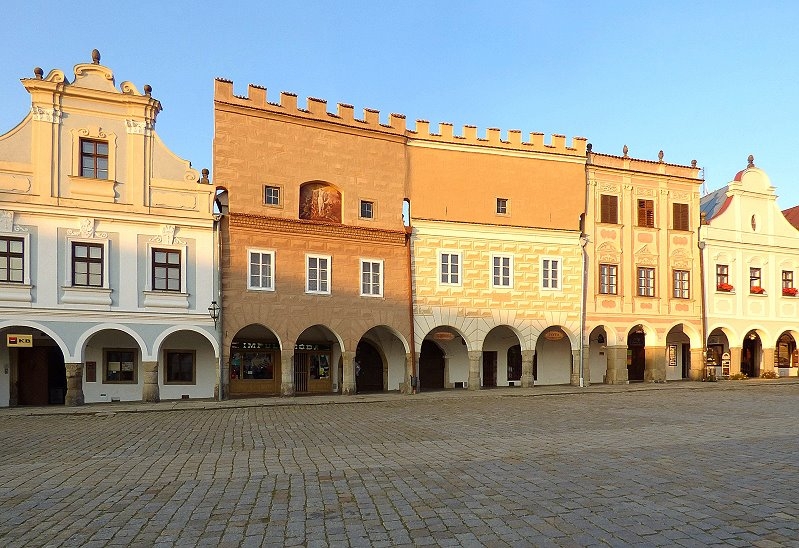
[(315, 268)]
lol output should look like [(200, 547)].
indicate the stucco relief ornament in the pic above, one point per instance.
[(168, 234), (87, 227), (6, 221), (135, 127), (50, 115)]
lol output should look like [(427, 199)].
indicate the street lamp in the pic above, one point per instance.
[(213, 311)]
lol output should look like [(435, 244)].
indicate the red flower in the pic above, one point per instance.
[(724, 287), (757, 290), (790, 291)]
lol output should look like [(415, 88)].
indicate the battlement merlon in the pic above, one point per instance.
[(316, 109)]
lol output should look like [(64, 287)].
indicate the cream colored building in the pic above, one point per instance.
[(106, 250), (497, 257), (751, 255), (644, 291)]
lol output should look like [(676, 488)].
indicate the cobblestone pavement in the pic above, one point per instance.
[(710, 464)]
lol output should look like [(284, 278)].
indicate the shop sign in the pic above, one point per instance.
[(553, 335), (19, 340), (443, 336)]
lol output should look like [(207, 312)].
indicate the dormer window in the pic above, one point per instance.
[(93, 159)]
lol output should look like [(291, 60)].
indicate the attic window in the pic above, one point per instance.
[(93, 159)]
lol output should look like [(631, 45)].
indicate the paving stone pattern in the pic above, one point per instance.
[(668, 467)]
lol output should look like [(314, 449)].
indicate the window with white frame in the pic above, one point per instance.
[(646, 281), (317, 274), (550, 273), (260, 274), (94, 159), (681, 284), (608, 279), (371, 278), (449, 268), (502, 271), (272, 195), (12, 260), (367, 209)]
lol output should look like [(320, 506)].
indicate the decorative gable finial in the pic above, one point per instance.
[(751, 161), (660, 156), (625, 150), (95, 56), (38, 73), (693, 163), (148, 90)]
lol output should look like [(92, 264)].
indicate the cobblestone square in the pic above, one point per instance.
[(684, 464)]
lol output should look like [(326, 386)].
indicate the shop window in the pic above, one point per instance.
[(515, 363), (119, 366), (179, 367)]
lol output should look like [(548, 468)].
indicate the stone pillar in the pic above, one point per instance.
[(617, 365), (655, 368), (586, 365), (697, 367), (575, 374), (74, 395), (150, 391), (348, 386), (527, 368), (735, 360), (411, 360), (767, 362), (474, 369), (286, 373)]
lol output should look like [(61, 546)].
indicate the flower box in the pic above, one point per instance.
[(790, 291), (724, 287), (756, 290)]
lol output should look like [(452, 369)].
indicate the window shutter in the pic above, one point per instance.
[(641, 212)]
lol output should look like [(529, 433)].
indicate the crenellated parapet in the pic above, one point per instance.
[(316, 109)]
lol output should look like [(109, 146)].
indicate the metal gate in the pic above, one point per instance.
[(301, 372)]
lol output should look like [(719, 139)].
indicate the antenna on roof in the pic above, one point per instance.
[(704, 182)]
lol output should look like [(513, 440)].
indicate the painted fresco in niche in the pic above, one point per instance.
[(320, 202)]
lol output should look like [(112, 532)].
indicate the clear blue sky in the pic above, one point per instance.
[(712, 81)]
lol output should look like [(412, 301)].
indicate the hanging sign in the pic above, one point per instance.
[(19, 340), (553, 335)]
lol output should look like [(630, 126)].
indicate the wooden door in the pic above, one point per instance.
[(431, 367), (489, 369)]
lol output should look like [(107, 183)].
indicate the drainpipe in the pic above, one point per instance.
[(584, 290), (408, 234), (703, 222), (218, 294)]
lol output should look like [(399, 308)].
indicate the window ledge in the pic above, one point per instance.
[(14, 292), (86, 295), (166, 299), (100, 190)]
